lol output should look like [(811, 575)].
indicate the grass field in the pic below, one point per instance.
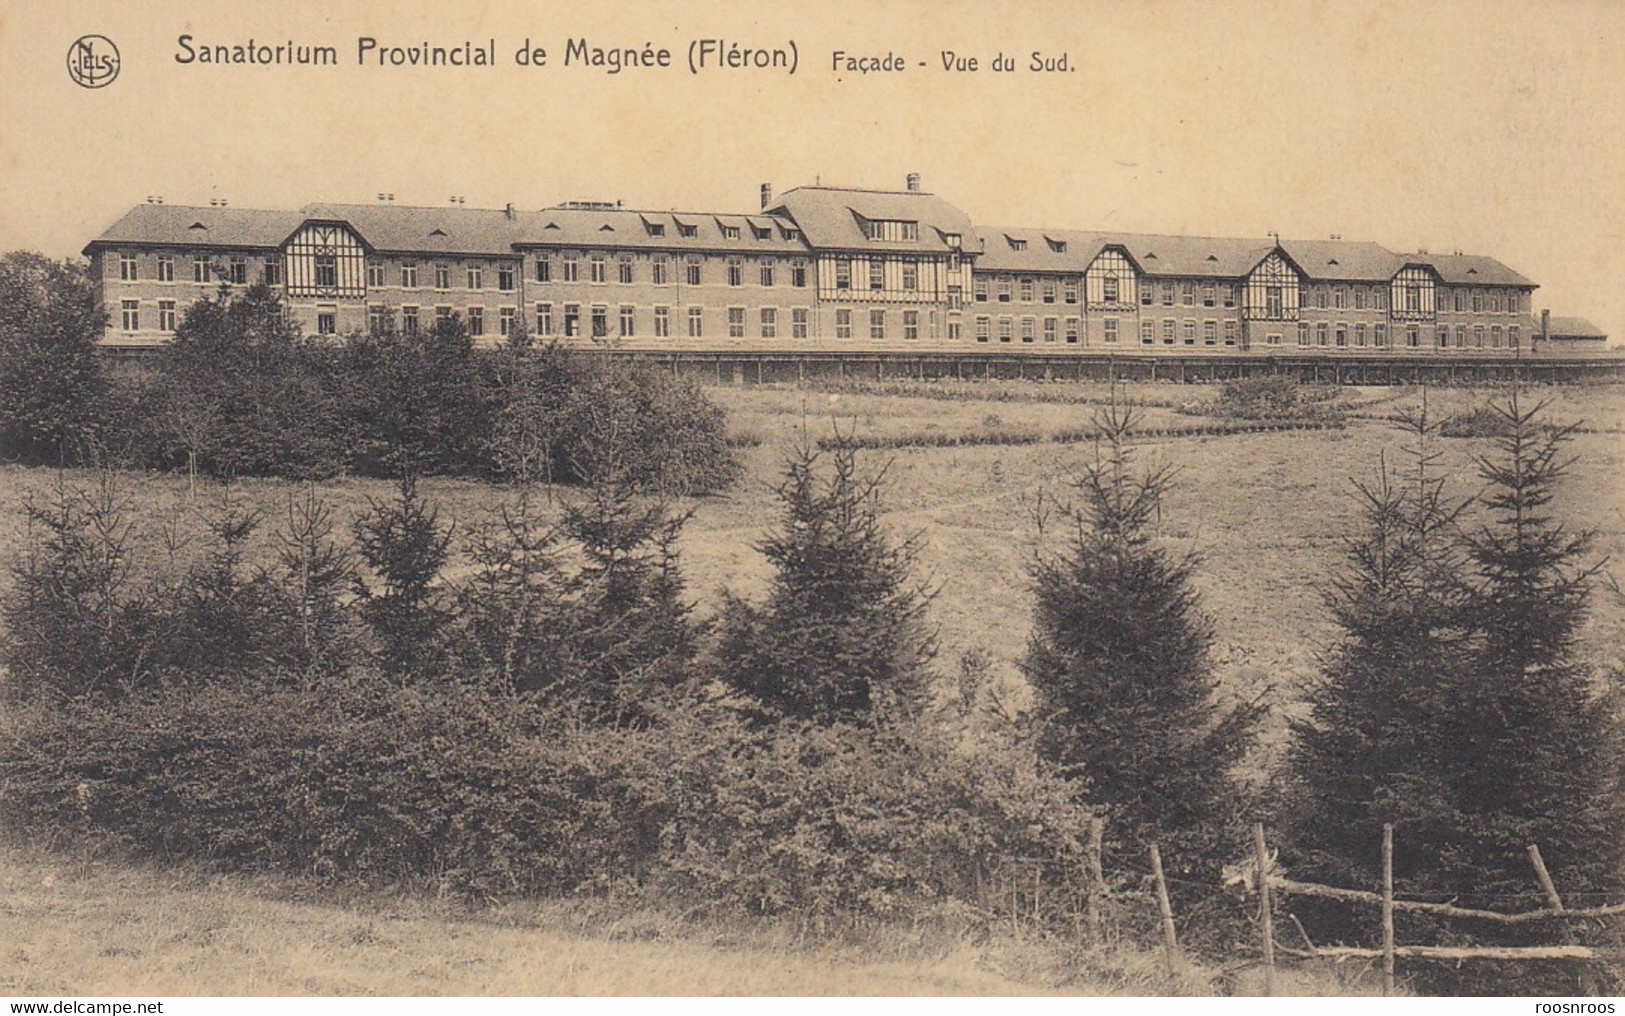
[(1267, 514)]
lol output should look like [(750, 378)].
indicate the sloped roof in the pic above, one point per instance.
[(433, 230), (1469, 269), (829, 217), (629, 227), (1344, 260), (190, 226), (1574, 328), (1154, 254)]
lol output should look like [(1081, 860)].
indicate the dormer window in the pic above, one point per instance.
[(761, 232), (1016, 244), (685, 229), (730, 232), (890, 230), (952, 239), (1058, 246), (655, 228)]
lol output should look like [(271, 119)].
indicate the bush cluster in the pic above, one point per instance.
[(1274, 397), (240, 391)]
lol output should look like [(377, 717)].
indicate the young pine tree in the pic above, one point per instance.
[(404, 545), (1533, 749), (1365, 753), (1125, 695), (842, 634)]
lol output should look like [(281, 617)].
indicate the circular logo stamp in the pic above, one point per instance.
[(93, 61)]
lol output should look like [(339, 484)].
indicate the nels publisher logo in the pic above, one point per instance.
[(93, 61)]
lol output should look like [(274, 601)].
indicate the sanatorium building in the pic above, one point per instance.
[(821, 269)]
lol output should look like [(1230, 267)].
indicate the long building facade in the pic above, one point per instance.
[(819, 269)]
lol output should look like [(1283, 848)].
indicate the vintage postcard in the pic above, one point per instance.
[(914, 498)]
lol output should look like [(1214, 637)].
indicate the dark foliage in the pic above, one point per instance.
[(841, 636), (405, 548), (1276, 396), (52, 392), (1125, 695)]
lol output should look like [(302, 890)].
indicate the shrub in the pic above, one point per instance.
[(1275, 396)]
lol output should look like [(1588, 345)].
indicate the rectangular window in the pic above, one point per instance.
[(1070, 291), (1322, 335), (877, 324), (409, 276), (476, 321), (1170, 332), (1207, 295), (1359, 332), (1303, 333), (954, 328), (239, 271), (843, 274), (1340, 337), (1230, 298), (572, 320), (736, 272), (1478, 302), (327, 271), (1006, 329), (476, 276), (375, 276), (377, 319), (1187, 294), (911, 276), (1274, 306), (1029, 329), (982, 328), (1072, 324), (877, 274), (1478, 336), (1190, 333), (200, 270), (693, 267), (126, 268), (1512, 305), (1052, 329), (1110, 330), (662, 322), (130, 317), (544, 268), (1444, 336), (1108, 287), (597, 270), (1359, 298), (696, 322), (660, 270), (1379, 335), (166, 317), (272, 274), (1459, 300), (327, 322), (629, 321), (166, 268), (544, 319), (843, 323), (1413, 338), (1148, 333), (736, 322), (1049, 290), (505, 320), (442, 276), (624, 271), (1004, 290), (1495, 335), (1340, 298), (1513, 337), (766, 272), (798, 275), (956, 298), (911, 325), (1461, 336), (1147, 293), (1210, 333), (1167, 294), (979, 290), (505, 278), (442, 315), (1272, 339), (409, 320), (600, 321), (798, 322), (1026, 290), (1320, 297), (1230, 333), (770, 322), (571, 269)]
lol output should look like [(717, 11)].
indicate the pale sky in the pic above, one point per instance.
[(1490, 127)]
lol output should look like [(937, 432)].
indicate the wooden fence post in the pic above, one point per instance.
[(1097, 881), (1170, 938), (1387, 908), (1266, 917), (1545, 877)]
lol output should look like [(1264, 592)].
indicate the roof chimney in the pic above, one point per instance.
[(767, 195), (508, 211), (914, 183)]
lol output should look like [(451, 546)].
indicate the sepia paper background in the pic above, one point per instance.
[(1489, 127)]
